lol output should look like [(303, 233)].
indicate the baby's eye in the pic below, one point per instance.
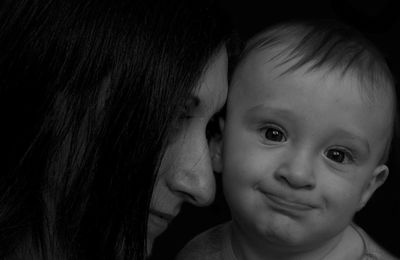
[(339, 156), (274, 134)]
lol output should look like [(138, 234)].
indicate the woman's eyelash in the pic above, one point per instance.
[(184, 112), (186, 109)]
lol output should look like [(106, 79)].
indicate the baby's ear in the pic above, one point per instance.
[(379, 176), (215, 144)]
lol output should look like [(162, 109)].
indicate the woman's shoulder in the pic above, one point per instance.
[(208, 245)]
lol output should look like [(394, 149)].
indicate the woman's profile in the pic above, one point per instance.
[(104, 108)]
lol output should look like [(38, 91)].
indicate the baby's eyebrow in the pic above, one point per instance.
[(342, 133), (261, 109)]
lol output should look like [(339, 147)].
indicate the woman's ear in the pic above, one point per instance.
[(378, 177), (215, 144)]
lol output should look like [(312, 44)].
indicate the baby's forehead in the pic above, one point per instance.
[(266, 65), (255, 63), (319, 46), (277, 63)]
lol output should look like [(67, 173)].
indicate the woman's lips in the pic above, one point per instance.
[(165, 216), (159, 221)]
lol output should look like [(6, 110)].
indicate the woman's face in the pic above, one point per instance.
[(185, 173)]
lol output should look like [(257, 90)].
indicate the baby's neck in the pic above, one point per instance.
[(347, 245)]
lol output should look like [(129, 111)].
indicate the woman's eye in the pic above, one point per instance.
[(188, 108), (339, 156), (274, 134), (184, 116)]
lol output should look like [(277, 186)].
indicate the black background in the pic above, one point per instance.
[(379, 22)]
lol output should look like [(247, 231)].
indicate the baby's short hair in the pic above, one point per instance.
[(328, 45)]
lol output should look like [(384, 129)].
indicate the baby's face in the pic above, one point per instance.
[(301, 151)]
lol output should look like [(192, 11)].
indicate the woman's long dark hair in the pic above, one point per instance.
[(88, 91)]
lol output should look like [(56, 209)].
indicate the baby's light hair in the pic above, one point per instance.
[(332, 46)]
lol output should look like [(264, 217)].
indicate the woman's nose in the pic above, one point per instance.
[(296, 170), (194, 179)]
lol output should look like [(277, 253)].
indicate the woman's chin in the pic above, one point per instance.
[(149, 246), (155, 227), (151, 236)]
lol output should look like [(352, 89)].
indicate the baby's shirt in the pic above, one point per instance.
[(372, 251), (215, 244)]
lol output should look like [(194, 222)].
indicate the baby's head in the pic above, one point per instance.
[(308, 128)]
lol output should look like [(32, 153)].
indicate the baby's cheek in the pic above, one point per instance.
[(340, 199), (241, 175)]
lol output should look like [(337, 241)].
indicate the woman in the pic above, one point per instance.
[(104, 107)]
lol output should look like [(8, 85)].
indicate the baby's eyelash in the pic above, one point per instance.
[(341, 155), (273, 133)]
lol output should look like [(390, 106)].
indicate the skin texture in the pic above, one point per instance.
[(301, 155), (185, 173)]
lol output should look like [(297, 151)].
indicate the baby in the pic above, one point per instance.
[(308, 127)]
